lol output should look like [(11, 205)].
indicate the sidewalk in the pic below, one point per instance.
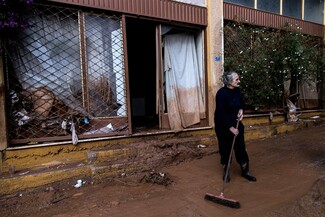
[(290, 173)]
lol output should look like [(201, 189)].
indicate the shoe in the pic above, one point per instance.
[(245, 172)]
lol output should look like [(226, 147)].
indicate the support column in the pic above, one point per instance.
[(215, 55), (3, 119)]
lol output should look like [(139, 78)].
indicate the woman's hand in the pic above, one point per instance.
[(240, 117), (240, 114), (234, 131)]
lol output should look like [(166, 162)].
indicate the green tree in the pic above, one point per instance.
[(266, 58)]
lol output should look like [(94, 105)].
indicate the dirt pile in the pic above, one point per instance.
[(159, 178), (172, 152)]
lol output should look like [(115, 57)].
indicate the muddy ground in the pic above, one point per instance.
[(290, 171)]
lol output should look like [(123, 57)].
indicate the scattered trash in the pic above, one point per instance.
[(64, 124), (49, 189), (315, 117), (23, 173), (74, 134), (107, 129), (157, 178), (79, 183), (14, 97), (21, 117), (292, 115), (201, 146), (271, 116), (78, 194), (86, 120)]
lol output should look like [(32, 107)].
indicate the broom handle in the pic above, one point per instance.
[(229, 160)]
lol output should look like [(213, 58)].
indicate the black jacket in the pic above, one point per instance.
[(228, 103)]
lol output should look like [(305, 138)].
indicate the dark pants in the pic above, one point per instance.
[(225, 140)]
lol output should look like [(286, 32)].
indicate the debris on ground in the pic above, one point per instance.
[(159, 178), (79, 183)]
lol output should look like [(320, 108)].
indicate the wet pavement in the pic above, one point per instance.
[(290, 171)]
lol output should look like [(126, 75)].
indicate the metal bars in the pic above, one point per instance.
[(66, 77)]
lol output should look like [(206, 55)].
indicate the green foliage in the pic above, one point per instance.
[(267, 58)]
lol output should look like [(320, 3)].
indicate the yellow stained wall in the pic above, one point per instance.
[(214, 50)]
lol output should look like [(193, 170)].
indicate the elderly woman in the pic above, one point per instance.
[(229, 109)]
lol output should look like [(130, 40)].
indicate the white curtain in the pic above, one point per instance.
[(184, 80)]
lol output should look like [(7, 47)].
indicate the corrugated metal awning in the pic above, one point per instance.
[(162, 9)]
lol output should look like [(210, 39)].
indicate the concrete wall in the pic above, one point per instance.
[(214, 52)]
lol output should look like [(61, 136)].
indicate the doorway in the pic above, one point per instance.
[(141, 45)]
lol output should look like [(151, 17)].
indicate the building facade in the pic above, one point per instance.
[(89, 72)]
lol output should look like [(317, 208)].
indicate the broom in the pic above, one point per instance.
[(221, 199)]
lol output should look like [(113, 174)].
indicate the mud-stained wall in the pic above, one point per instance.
[(214, 52), (49, 157), (53, 156)]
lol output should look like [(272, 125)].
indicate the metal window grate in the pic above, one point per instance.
[(66, 77)]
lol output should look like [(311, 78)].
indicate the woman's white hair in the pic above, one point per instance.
[(228, 77)]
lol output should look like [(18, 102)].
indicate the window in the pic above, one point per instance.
[(270, 6), (66, 77), (194, 2), (292, 8), (247, 3), (314, 11)]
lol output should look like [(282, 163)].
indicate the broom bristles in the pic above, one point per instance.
[(222, 200)]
